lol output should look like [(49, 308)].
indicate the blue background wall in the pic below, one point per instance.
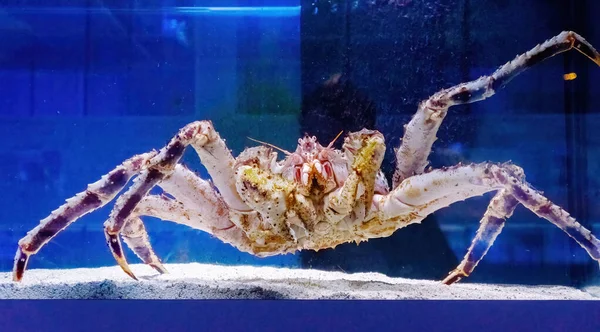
[(85, 86)]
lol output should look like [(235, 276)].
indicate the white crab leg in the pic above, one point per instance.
[(134, 232), (169, 209), (420, 132), (426, 193), (95, 196), (196, 204), (199, 197), (151, 168), (210, 147), (219, 161)]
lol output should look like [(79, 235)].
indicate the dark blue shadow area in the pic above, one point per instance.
[(489, 316)]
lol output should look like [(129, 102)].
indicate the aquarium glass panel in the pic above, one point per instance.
[(480, 152)]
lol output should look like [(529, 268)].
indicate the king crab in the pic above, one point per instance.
[(317, 197)]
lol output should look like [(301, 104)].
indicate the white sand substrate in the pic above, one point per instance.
[(205, 281)]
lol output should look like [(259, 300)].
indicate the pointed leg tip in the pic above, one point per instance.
[(117, 251), (127, 270), (453, 277), (160, 268), (21, 259), (125, 267), (17, 277)]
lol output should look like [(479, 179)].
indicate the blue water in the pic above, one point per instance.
[(85, 85)]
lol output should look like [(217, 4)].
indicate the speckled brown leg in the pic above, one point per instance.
[(420, 133)]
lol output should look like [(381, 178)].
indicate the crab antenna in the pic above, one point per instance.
[(270, 145), (338, 136)]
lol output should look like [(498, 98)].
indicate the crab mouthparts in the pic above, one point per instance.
[(314, 171)]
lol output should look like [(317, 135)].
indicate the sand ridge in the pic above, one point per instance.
[(207, 281)]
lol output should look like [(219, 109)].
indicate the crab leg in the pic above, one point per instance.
[(367, 148), (196, 205), (205, 209), (426, 193), (502, 207), (420, 132), (95, 196), (209, 146), (136, 237), (122, 211)]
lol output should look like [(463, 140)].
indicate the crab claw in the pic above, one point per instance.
[(306, 170), (117, 251), (319, 168)]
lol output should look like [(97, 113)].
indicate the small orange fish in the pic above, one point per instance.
[(570, 76)]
